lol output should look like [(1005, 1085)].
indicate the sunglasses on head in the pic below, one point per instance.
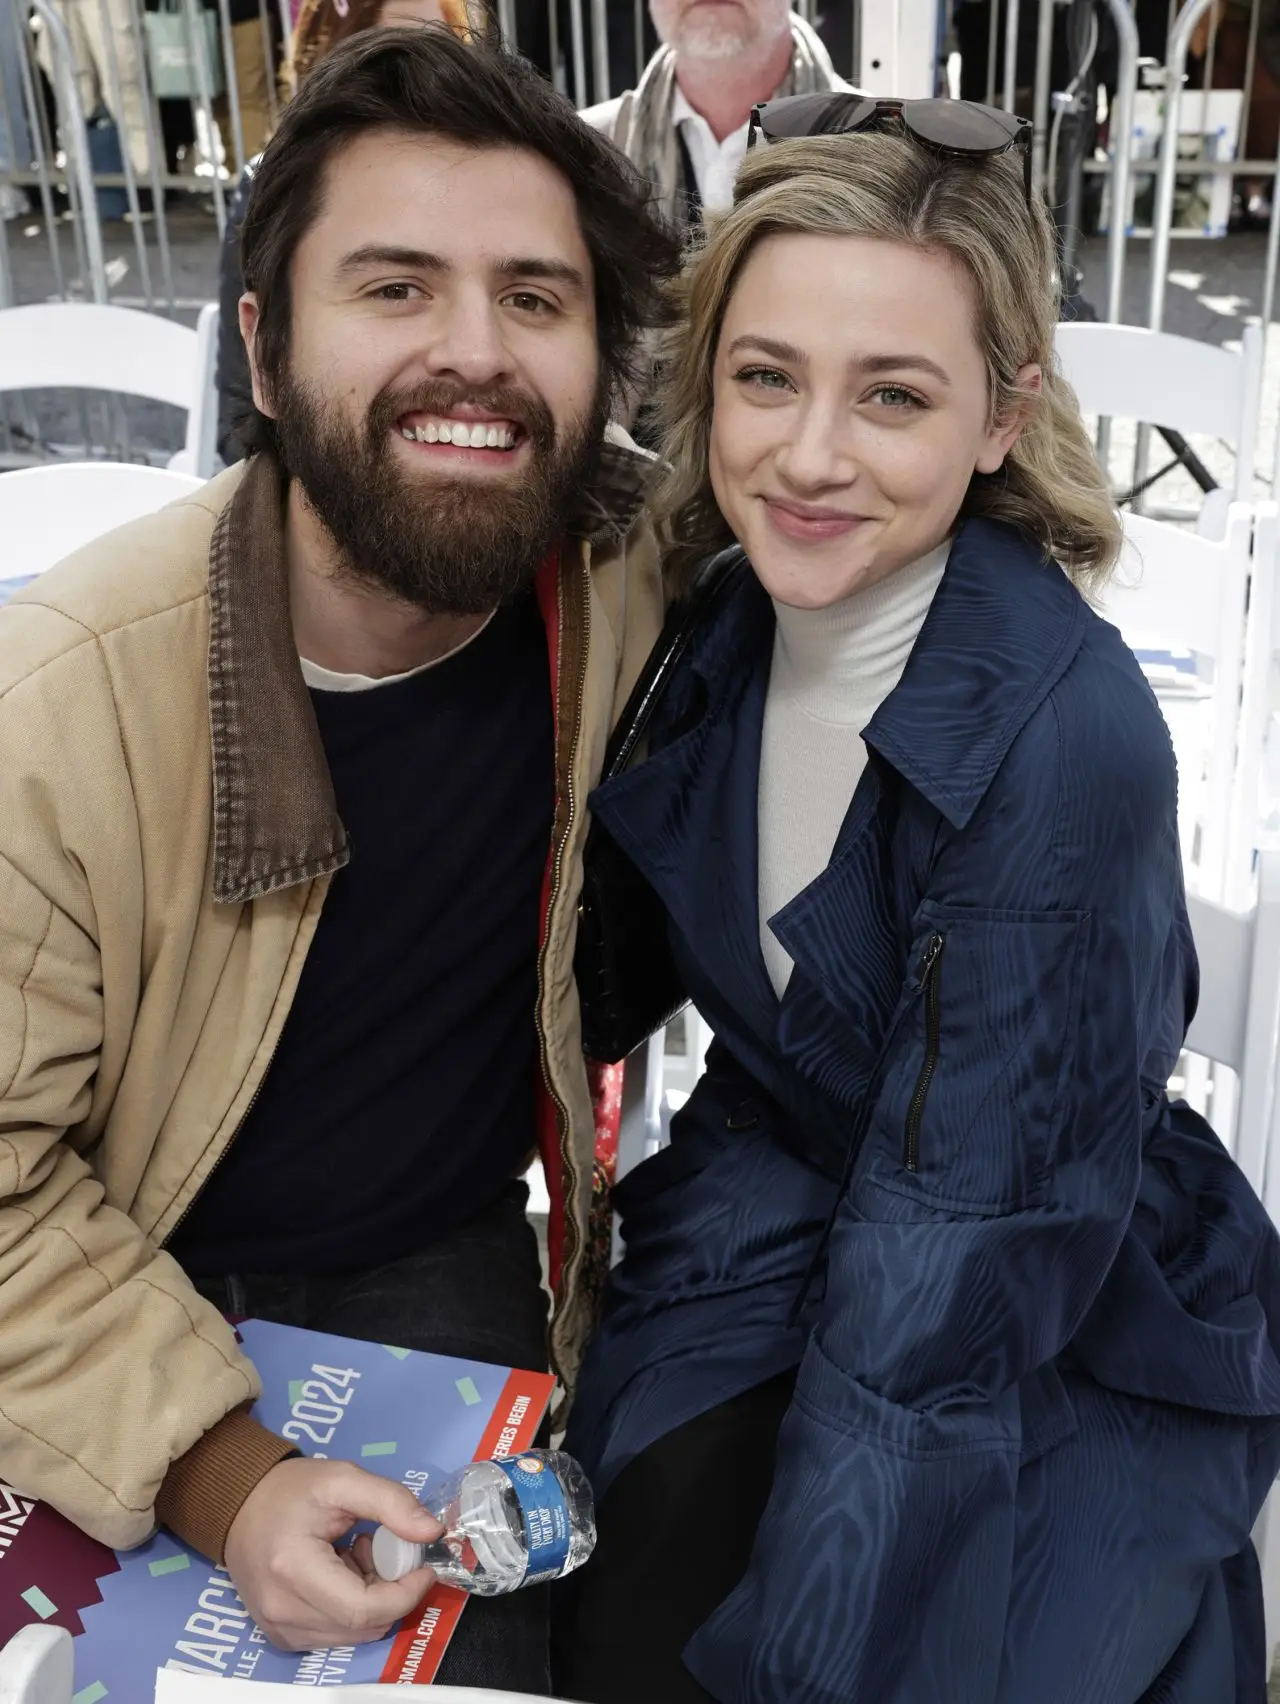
[(957, 129)]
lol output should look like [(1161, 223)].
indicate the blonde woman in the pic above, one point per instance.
[(941, 1365)]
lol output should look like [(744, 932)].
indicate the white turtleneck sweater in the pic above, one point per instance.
[(832, 669)]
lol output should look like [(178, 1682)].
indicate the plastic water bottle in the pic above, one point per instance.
[(508, 1523)]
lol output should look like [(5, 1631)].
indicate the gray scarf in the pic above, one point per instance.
[(647, 136)]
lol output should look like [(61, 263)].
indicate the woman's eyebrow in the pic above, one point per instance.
[(769, 346), (864, 364), (896, 363)]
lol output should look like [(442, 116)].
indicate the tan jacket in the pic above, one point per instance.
[(167, 835)]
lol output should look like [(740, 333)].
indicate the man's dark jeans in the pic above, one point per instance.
[(475, 1293)]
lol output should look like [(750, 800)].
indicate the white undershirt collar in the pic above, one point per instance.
[(329, 680)]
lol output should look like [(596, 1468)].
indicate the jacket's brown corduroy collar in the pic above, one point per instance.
[(275, 819)]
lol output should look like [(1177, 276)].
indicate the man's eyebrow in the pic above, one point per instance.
[(541, 266), (389, 254), (769, 346), (421, 260)]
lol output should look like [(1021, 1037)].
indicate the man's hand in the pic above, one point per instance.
[(302, 1593)]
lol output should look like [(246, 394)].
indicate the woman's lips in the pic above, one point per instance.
[(811, 523)]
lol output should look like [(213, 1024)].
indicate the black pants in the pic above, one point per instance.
[(476, 1293), (675, 1534)]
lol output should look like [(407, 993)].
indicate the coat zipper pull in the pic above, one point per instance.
[(928, 980), (929, 958)]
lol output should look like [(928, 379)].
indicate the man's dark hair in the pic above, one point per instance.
[(429, 81)]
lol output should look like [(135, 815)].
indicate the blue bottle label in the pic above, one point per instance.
[(545, 1515)]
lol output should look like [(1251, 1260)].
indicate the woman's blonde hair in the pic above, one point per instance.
[(972, 211)]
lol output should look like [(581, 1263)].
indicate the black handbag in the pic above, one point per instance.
[(628, 984)]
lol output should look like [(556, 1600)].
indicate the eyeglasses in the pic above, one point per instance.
[(958, 129)]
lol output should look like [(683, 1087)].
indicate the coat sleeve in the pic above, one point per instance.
[(995, 1185), (113, 1370)]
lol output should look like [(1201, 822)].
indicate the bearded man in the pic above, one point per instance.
[(684, 126), (292, 783)]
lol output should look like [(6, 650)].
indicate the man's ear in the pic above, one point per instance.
[(1005, 433), (249, 316)]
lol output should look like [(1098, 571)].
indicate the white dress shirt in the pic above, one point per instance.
[(715, 164)]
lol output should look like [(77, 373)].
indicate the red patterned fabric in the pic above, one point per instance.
[(606, 1097)]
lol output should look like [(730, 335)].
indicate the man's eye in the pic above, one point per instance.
[(398, 292), (529, 302)]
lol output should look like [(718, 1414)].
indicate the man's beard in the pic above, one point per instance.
[(450, 546)]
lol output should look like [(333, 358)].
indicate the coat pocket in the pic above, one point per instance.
[(974, 1097)]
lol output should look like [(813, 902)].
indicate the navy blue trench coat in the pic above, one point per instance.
[(1036, 1409)]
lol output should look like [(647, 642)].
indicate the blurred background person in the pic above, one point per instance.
[(16, 151), (108, 71), (321, 25), (684, 126)]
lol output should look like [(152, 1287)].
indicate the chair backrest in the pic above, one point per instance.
[(1126, 372), (1175, 591), (1237, 1022), (199, 454), (88, 346), (48, 512)]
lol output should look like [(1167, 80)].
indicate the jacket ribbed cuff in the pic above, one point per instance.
[(203, 1490)]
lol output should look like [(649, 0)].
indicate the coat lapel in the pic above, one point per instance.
[(687, 817), (1002, 629)]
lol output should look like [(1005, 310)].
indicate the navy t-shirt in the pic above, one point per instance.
[(401, 1095)]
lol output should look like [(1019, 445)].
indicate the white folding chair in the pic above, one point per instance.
[(47, 512), (1237, 1024), (682, 1070), (1177, 595), (1257, 800), (37, 1666), (90, 346), (201, 455), (1124, 372)]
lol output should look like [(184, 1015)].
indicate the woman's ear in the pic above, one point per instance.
[(1004, 433)]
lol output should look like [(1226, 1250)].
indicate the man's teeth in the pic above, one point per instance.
[(474, 435)]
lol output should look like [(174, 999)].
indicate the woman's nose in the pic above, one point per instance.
[(817, 453)]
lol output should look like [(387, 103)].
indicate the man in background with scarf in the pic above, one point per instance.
[(685, 126)]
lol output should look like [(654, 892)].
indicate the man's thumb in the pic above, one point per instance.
[(393, 1506)]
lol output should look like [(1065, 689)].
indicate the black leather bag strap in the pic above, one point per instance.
[(683, 620)]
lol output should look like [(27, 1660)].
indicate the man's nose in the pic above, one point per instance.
[(467, 341)]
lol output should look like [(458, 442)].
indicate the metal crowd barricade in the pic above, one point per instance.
[(94, 198), (108, 65), (124, 57)]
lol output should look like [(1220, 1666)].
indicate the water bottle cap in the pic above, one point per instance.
[(394, 1557)]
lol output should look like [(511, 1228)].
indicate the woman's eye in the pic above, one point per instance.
[(763, 378), (898, 396)]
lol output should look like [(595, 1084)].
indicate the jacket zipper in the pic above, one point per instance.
[(557, 871), (928, 977)]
